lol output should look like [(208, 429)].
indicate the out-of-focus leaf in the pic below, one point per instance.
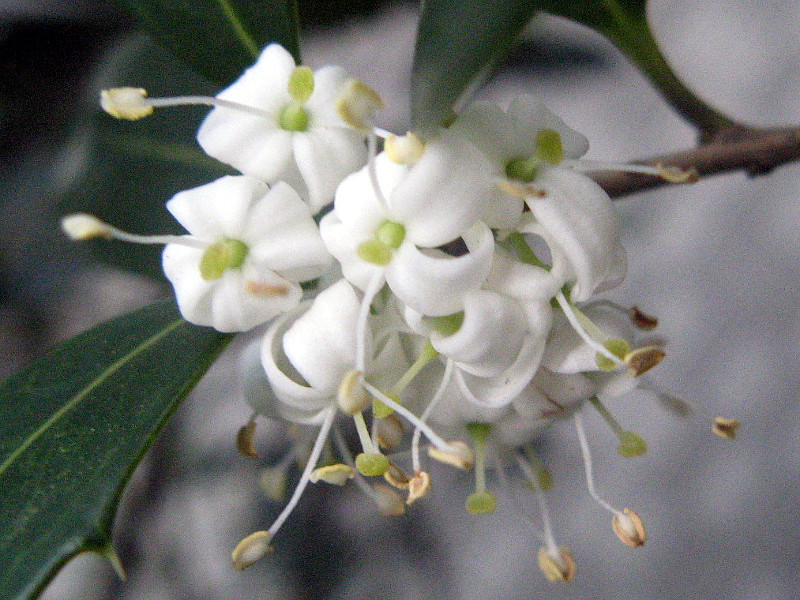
[(130, 168), (74, 425), (219, 38), (458, 42)]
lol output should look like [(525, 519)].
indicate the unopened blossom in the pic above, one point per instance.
[(248, 249), (296, 134)]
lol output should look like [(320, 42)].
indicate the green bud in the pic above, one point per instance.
[(631, 444), (549, 147), (301, 84), (391, 234), (481, 503), (372, 464), (219, 257), (294, 118), (375, 252)]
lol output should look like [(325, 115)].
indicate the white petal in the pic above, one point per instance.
[(502, 389), (516, 279), (329, 84), (530, 112), (342, 243), (443, 192), (490, 337), (282, 235), (218, 209), (434, 283), (577, 220), (357, 205), (321, 344), (325, 156), (301, 400)]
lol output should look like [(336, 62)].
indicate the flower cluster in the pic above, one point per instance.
[(450, 284)]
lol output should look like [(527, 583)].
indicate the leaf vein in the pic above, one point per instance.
[(86, 391)]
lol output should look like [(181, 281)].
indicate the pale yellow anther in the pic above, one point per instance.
[(404, 150), (458, 454), (337, 474), (641, 360), (726, 427), (126, 103), (389, 431), (245, 440), (82, 226), (521, 190), (629, 528), (251, 549), (642, 320), (676, 174), (396, 477), (418, 486), (557, 568), (390, 503), (358, 104), (352, 396)]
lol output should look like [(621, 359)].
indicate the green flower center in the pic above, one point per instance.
[(549, 149), (294, 118), (219, 257)]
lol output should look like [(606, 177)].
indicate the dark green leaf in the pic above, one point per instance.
[(457, 42), (219, 38), (74, 425), (132, 168)]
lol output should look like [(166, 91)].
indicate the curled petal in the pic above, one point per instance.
[(533, 115), (577, 220), (490, 336), (343, 243), (321, 344), (519, 280), (434, 283)]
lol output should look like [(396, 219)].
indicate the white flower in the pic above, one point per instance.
[(248, 249), (296, 135), (399, 239)]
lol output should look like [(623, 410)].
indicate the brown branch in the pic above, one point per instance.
[(755, 151)]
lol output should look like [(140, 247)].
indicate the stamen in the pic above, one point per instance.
[(372, 152), (547, 530), (641, 360), (629, 528), (133, 103), (418, 486), (404, 150), (337, 474), (570, 313), (358, 104), (726, 427), (311, 464), (448, 372), (640, 319), (587, 463), (82, 226), (558, 567), (631, 444), (351, 397), (481, 501), (671, 174), (435, 439)]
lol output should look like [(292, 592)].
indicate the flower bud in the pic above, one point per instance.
[(560, 568), (629, 528), (251, 549)]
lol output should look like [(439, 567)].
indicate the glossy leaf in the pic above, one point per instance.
[(219, 38), (458, 42), (130, 169), (74, 425)]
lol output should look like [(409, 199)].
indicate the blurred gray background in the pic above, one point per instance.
[(717, 262)]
